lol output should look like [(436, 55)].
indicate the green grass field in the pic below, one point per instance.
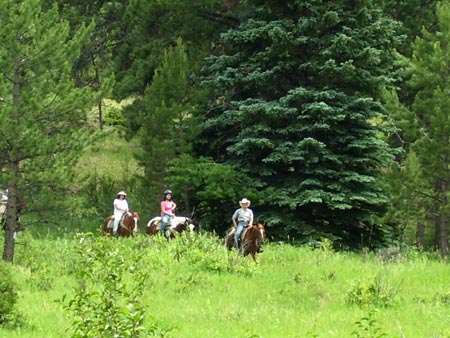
[(194, 288)]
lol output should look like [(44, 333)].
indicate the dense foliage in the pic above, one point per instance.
[(294, 105)]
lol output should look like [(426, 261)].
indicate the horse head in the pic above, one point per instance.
[(257, 233), (188, 224), (254, 238)]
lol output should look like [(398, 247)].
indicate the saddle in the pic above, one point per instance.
[(241, 238), (110, 224), (170, 224), (120, 225)]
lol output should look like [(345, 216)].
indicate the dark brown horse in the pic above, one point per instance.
[(178, 224), (128, 225), (252, 239)]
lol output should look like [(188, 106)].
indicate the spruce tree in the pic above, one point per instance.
[(297, 108), (42, 112)]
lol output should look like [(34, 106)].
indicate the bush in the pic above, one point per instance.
[(108, 300), (374, 291), (8, 294)]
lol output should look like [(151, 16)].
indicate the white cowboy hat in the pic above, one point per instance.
[(244, 201), (121, 193)]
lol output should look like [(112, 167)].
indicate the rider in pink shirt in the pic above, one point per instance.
[(167, 208)]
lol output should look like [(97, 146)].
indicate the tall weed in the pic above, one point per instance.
[(368, 327)]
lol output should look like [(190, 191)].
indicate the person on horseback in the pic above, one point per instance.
[(167, 208), (120, 208), (242, 218)]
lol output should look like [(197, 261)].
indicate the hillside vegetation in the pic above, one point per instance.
[(191, 287)]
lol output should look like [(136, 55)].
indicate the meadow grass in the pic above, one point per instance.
[(195, 288), (110, 156)]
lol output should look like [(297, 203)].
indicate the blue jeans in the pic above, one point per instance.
[(237, 234), (164, 220)]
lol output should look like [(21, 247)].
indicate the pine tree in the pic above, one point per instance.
[(166, 126), (42, 112), (297, 104), (428, 121)]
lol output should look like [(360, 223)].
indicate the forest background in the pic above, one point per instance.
[(331, 117)]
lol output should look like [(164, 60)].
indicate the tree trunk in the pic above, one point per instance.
[(10, 223), (442, 235), (420, 236), (100, 115), (441, 220), (13, 168), (8, 250), (187, 205)]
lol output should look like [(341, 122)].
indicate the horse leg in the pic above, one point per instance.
[(229, 239), (255, 259), (168, 234)]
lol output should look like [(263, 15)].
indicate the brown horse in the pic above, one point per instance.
[(178, 224), (252, 239), (128, 224)]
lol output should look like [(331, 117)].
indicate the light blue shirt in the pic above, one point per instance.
[(243, 215)]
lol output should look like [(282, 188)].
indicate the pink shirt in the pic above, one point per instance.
[(167, 206)]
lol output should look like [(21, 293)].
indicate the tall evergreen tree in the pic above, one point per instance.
[(165, 117), (42, 112), (428, 121), (297, 104)]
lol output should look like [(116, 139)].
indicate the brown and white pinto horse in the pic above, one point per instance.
[(128, 225), (252, 239), (177, 224)]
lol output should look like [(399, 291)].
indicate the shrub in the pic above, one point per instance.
[(8, 294), (375, 291), (108, 302)]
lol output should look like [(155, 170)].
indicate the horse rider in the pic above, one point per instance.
[(167, 208), (242, 218), (120, 208)]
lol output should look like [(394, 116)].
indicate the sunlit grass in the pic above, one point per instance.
[(195, 288), (109, 156)]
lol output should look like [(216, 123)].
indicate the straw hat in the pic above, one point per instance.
[(121, 193), (244, 201)]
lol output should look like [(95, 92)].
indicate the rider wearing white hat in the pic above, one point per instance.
[(242, 218), (120, 207)]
